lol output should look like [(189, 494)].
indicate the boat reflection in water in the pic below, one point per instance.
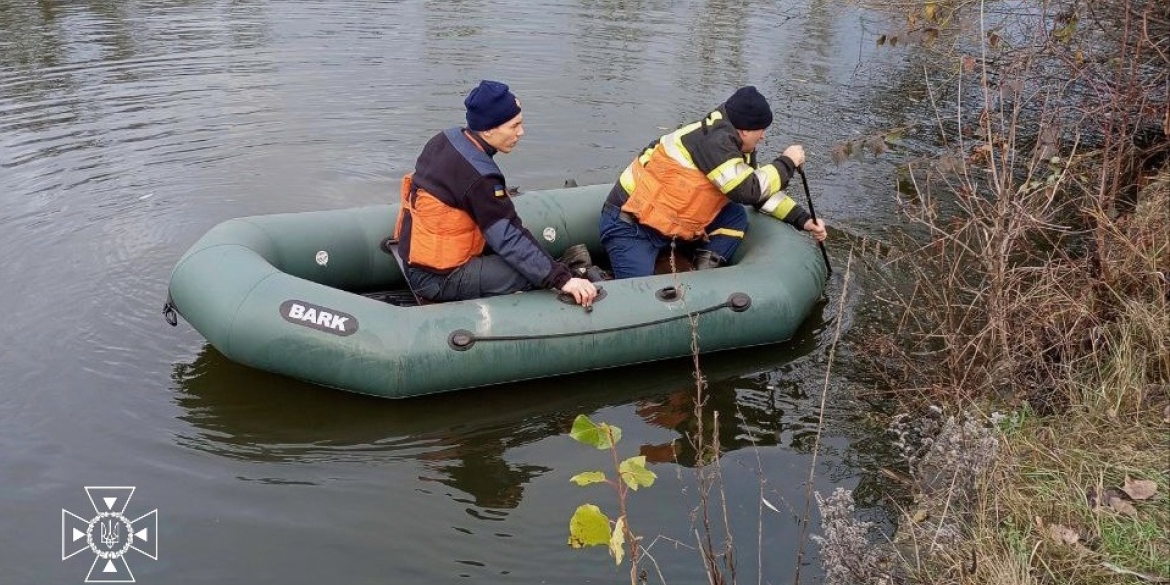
[(462, 438)]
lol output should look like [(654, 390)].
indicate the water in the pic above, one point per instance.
[(128, 128)]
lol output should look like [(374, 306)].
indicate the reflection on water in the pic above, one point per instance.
[(461, 438), (760, 395)]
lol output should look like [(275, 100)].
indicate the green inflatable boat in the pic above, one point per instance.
[(304, 295)]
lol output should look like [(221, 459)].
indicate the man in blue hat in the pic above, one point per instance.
[(691, 185), (455, 205)]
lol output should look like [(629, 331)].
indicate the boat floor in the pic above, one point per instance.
[(398, 298)]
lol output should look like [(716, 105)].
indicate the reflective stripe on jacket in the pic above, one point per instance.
[(677, 200), (681, 181)]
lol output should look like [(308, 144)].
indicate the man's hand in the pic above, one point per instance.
[(817, 229), (795, 153), (582, 290)]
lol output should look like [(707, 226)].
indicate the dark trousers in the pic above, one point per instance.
[(632, 247), (482, 276)]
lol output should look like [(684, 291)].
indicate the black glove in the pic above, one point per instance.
[(785, 166)]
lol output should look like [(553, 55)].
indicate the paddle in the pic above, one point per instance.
[(813, 213)]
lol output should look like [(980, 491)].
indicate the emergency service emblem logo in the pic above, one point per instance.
[(109, 534)]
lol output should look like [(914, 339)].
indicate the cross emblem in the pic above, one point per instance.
[(109, 534)]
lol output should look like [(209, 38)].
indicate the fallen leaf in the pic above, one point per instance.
[(1061, 533), (1139, 489), (1120, 505), (1103, 500)]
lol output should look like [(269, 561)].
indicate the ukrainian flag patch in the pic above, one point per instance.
[(500, 191)]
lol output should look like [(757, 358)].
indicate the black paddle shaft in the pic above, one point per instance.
[(813, 213)]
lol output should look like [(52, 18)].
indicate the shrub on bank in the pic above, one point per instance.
[(1038, 284)]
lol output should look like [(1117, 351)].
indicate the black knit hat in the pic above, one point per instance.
[(489, 105), (748, 110)]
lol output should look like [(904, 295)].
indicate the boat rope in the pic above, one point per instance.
[(462, 339)]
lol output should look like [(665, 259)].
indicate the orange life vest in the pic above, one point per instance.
[(675, 200), (441, 237)]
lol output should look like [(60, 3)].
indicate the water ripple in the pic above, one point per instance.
[(129, 128)]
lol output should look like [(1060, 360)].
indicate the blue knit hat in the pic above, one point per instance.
[(748, 110), (489, 105)]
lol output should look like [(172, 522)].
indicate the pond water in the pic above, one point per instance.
[(128, 128)]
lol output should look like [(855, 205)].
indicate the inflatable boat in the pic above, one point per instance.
[(311, 296)]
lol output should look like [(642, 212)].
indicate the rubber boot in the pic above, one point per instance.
[(706, 259), (580, 264), (577, 258)]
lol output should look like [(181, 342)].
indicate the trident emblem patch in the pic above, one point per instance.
[(109, 535)]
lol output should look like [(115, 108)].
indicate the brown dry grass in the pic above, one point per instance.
[(1039, 285)]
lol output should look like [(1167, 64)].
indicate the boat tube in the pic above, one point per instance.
[(297, 294)]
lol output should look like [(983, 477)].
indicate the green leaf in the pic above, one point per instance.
[(617, 540), (588, 477), (635, 474), (599, 436), (589, 526)]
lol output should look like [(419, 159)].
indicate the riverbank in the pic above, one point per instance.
[(1026, 480), (1047, 459), (1031, 365), (1077, 494)]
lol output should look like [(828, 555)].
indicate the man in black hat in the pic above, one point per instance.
[(456, 204), (689, 185)]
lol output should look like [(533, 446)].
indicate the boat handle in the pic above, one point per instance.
[(169, 312), (569, 300)]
